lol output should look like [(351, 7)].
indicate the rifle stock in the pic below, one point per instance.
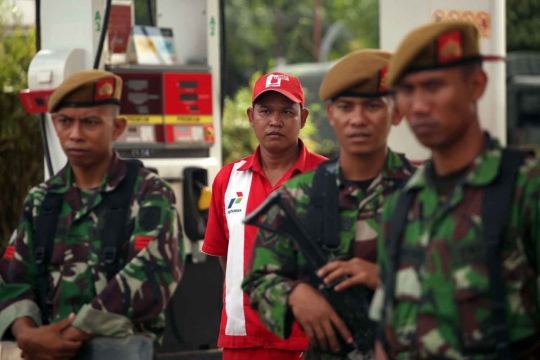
[(351, 304)]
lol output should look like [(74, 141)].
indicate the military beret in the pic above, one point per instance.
[(432, 46), (360, 73), (86, 89)]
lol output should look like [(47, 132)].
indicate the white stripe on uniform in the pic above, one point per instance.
[(240, 181)]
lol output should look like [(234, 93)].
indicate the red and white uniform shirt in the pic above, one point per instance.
[(238, 189)]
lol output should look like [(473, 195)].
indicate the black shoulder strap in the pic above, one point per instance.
[(398, 223), (495, 218), (117, 207), (406, 163), (323, 208), (44, 233)]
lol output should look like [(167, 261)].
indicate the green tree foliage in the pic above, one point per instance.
[(21, 155), (522, 25), (258, 32)]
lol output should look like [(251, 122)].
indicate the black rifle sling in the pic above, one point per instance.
[(495, 218), (113, 233), (398, 224), (323, 209), (117, 205), (44, 233)]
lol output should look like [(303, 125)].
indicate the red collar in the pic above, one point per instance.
[(253, 162)]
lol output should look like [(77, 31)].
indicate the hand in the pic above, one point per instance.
[(360, 272), (317, 317), (74, 334), (380, 354), (45, 342)]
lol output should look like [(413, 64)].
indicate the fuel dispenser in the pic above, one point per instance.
[(174, 126), (169, 114)]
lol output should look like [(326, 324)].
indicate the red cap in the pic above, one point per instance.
[(285, 84)]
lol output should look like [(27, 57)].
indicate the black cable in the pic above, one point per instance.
[(38, 25), (103, 34), (223, 57), (150, 12), (42, 122), (42, 116)]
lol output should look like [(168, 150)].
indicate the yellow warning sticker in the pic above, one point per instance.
[(143, 119), (188, 119)]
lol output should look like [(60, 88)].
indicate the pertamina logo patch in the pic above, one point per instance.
[(235, 201), (274, 80)]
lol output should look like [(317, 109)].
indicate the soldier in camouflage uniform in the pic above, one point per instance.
[(361, 110), (85, 305), (442, 306)]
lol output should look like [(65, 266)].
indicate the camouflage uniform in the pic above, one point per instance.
[(442, 299), (135, 300), (276, 265)]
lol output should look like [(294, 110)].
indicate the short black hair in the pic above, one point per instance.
[(260, 96), (470, 68)]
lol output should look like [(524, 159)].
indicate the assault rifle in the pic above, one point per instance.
[(351, 304)]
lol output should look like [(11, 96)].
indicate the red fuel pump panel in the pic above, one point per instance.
[(188, 98), (35, 101), (188, 108)]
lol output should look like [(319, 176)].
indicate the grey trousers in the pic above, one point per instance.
[(132, 348)]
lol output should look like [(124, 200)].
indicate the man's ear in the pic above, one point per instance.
[(120, 124), (303, 117), (329, 113), (396, 116), (478, 81), (249, 113), (54, 119)]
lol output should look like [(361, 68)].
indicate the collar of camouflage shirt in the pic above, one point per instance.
[(394, 168), (484, 170), (63, 180)]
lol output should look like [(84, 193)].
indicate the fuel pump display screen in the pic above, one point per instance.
[(190, 97), (188, 84), (142, 106), (142, 95)]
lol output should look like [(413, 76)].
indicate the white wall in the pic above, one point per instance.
[(398, 17)]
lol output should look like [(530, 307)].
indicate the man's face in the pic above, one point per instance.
[(362, 124), (277, 121), (87, 134), (440, 104)]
